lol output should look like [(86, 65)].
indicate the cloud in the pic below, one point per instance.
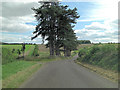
[(19, 38), (95, 26), (15, 16), (102, 10), (15, 19), (15, 25), (27, 0), (106, 31), (106, 25), (17, 9), (86, 20), (17, 28), (97, 36)]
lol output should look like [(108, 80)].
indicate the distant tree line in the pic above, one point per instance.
[(55, 25), (83, 41), (17, 43)]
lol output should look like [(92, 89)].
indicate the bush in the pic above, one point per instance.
[(35, 52), (81, 52), (94, 49), (13, 50)]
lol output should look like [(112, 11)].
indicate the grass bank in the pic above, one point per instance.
[(103, 55), (100, 58)]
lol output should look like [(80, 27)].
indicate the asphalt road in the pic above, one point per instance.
[(66, 74)]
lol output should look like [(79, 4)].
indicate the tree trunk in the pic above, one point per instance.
[(65, 51), (68, 52), (57, 51), (51, 48)]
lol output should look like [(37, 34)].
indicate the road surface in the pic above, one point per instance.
[(66, 74)]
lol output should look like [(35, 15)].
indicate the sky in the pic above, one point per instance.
[(98, 20)]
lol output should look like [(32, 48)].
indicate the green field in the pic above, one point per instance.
[(10, 47)]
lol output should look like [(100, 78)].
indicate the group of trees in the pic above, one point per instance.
[(55, 24), (84, 41), (17, 43)]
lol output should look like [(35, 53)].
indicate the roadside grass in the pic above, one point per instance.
[(21, 71), (108, 74), (14, 67)]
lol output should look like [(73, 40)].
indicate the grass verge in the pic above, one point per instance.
[(108, 74), (18, 75), (14, 67)]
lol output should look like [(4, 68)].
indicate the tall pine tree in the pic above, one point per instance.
[(55, 23)]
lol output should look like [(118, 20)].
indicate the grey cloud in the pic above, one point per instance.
[(96, 37), (15, 15), (16, 9), (19, 38), (21, 28)]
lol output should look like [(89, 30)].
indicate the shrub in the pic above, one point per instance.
[(81, 52), (13, 50), (35, 52), (94, 49)]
